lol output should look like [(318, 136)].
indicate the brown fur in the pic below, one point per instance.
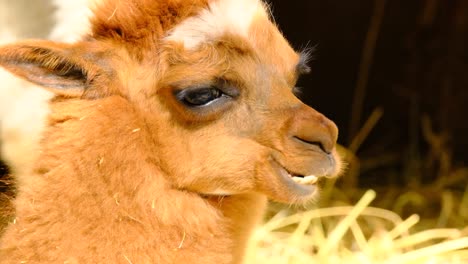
[(139, 25), (7, 194), (128, 174)]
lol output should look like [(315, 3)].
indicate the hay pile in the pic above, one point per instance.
[(355, 234)]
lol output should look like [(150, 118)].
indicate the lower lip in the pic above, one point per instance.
[(299, 190)]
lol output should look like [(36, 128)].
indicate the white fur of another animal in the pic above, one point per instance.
[(23, 108)]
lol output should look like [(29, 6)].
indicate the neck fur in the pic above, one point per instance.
[(105, 192)]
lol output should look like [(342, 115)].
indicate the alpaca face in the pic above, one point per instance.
[(250, 132), (213, 82)]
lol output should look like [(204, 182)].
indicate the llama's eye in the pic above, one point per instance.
[(200, 96)]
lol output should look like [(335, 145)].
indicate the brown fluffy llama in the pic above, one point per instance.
[(172, 124)]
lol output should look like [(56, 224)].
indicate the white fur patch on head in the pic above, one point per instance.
[(222, 16)]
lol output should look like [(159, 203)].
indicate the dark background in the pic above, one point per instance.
[(417, 75)]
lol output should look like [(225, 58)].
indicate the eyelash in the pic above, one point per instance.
[(200, 97), (298, 91), (212, 95)]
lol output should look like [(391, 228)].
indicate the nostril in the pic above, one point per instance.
[(313, 131), (314, 143)]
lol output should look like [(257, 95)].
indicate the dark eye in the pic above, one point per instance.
[(200, 96)]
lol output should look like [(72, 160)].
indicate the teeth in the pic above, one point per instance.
[(306, 180)]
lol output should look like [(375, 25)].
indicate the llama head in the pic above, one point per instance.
[(213, 81)]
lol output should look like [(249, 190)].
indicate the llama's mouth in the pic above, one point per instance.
[(298, 178), (300, 185), (304, 180), (295, 186)]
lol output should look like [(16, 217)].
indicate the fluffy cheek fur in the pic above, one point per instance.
[(218, 164)]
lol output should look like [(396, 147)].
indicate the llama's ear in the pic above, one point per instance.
[(58, 67)]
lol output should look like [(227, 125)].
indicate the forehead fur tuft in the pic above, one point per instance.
[(221, 17), (141, 23)]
